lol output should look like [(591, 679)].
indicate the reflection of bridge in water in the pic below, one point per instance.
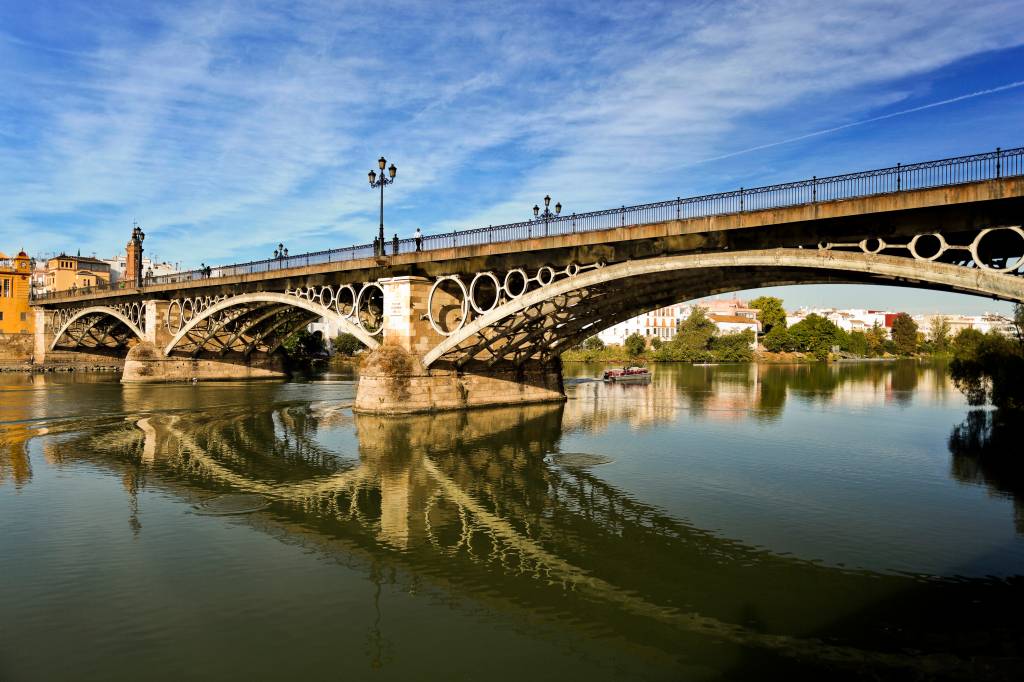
[(472, 502)]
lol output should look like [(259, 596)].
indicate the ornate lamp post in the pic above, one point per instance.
[(382, 182), (280, 253), (547, 214)]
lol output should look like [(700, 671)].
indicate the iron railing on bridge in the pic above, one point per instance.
[(941, 173)]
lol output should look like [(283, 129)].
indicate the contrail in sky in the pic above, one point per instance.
[(979, 93)]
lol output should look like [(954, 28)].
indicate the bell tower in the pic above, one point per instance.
[(133, 262)]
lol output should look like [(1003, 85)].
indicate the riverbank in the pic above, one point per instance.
[(619, 355)]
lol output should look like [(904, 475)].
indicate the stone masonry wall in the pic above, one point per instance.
[(16, 351)]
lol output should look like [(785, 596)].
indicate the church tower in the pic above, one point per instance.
[(133, 263)]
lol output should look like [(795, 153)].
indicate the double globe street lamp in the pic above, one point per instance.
[(382, 182), (547, 214)]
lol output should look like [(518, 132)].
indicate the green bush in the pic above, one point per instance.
[(346, 344), (816, 335), (635, 345), (593, 343), (989, 368), (303, 345), (777, 340), (733, 347), (857, 344)]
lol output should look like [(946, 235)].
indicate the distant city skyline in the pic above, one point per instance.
[(227, 127), (876, 297)]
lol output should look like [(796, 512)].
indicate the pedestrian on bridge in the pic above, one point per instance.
[(419, 239), (394, 246)]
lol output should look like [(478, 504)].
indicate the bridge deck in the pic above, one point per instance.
[(439, 260)]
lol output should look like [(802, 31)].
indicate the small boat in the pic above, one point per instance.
[(627, 375)]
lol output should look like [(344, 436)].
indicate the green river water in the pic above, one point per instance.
[(844, 521)]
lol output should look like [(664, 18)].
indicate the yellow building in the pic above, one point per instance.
[(65, 272), (15, 313)]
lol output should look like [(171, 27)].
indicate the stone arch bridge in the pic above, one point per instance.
[(480, 317)]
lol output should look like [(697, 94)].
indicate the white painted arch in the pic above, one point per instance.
[(271, 297), (980, 281), (94, 310)]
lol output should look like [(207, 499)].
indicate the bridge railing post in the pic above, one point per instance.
[(899, 178), (741, 199), (814, 189), (999, 165)]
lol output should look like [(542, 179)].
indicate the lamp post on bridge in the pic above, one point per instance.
[(382, 182), (280, 253), (547, 214)]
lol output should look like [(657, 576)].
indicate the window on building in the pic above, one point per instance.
[(1, 316), (6, 288), (24, 317)]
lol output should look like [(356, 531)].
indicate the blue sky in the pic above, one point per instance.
[(226, 127)]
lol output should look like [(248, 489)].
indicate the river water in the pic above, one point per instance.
[(732, 521)]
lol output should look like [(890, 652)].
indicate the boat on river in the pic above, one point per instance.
[(627, 375)]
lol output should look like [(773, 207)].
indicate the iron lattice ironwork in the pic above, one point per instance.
[(113, 326)]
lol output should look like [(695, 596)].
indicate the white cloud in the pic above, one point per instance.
[(225, 128)]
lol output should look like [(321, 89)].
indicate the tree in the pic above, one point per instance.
[(816, 334), (593, 343), (777, 340), (303, 345), (858, 344), (989, 368), (635, 345), (656, 342), (938, 334), (904, 334), (734, 347), (347, 344), (1018, 322), (696, 330), (692, 341), (770, 312), (876, 338), (966, 342)]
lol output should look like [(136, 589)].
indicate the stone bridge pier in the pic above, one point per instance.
[(394, 378)]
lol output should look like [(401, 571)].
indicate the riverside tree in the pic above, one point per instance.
[(876, 338), (692, 342), (770, 312), (735, 347), (989, 368), (346, 344), (635, 345), (817, 335), (938, 334), (904, 334)]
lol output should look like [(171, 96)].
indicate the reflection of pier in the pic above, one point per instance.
[(468, 500)]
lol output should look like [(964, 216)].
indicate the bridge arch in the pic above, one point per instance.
[(263, 314), (548, 311), (86, 320)]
